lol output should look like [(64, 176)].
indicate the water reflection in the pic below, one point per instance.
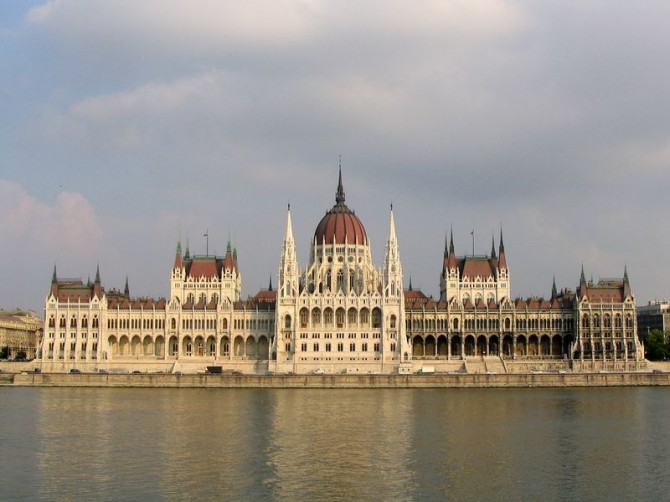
[(245, 444)]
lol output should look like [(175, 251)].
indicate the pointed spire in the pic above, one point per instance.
[(54, 277), (229, 261), (339, 196), (554, 292), (582, 277), (392, 236), (270, 286), (502, 261), (126, 289), (493, 247), (177, 257), (451, 241), (187, 255), (626, 284), (410, 283)]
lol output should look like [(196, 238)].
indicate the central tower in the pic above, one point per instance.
[(340, 314)]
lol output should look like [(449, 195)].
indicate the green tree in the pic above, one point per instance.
[(657, 348)]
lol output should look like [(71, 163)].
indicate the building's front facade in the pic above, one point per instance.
[(340, 314), (20, 334)]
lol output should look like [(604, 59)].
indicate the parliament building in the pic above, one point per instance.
[(340, 314)]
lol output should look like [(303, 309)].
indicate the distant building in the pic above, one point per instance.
[(20, 331), (653, 316), (340, 313)]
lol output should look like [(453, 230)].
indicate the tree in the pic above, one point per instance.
[(657, 348)]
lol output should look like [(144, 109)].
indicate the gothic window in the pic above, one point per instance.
[(340, 280), (376, 318), (61, 323), (316, 317), (352, 317), (52, 322), (455, 323), (585, 321), (287, 321), (224, 323), (364, 317), (393, 320), (617, 321), (304, 317), (340, 317), (73, 322), (328, 317)]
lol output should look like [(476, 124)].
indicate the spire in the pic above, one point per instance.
[(270, 286), (339, 196), (410, 283), (502, 261), (229, 261), (126, 289), (493, 247), (97, 289), (451, 258), (54, 277), (177, 257), (187, 255), (626, 284), (582, 277), (288, 269), (392, 266), (554, 293)]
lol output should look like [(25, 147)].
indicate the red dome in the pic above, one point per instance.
[(340, 224)]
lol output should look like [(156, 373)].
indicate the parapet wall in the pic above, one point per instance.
[(633, 379)]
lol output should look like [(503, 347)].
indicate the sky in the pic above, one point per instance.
[(128, 125)]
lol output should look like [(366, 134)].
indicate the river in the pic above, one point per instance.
[(288, 444)]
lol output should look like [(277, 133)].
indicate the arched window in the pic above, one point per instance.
[(287, 321), (393, 320), (376, 318)]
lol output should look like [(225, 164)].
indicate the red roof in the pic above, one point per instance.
[(476, 266), (203, 267)]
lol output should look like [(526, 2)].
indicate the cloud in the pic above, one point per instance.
[(70, 221), (547, 118)]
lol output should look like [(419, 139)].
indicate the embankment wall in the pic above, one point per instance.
[(341, 381)]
